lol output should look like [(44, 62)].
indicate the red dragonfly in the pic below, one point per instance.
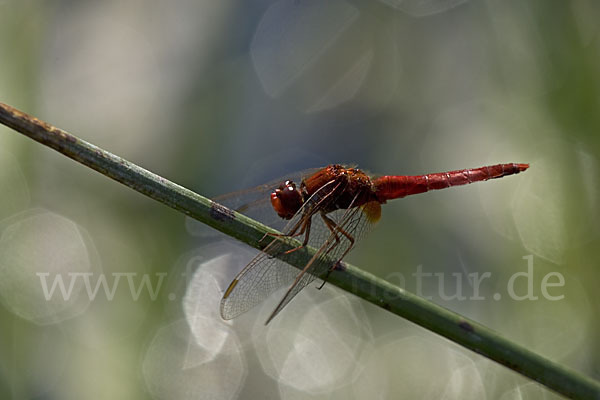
[(330, 210)]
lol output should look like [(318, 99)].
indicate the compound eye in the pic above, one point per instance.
[(286, 200), (287, 185)]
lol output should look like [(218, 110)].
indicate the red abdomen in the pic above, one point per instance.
[(396, 186)]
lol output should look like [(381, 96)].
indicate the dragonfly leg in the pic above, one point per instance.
[(325, 279), (331, 269), (284, 235), (305, 228), (334, 228), (331, 225)]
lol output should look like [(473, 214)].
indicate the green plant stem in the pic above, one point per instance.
[(427, 314)]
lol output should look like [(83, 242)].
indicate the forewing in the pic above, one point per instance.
[(261, 277), (356, 222), (266, 272)]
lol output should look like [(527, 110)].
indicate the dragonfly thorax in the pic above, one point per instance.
[(287, 200)]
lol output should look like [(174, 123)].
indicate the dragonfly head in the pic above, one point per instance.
[(286, 200)]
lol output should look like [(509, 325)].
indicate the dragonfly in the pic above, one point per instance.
[(329, 209)]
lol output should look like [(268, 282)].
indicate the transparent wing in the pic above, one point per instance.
[(351, 223), (266, 272), (261, 277)]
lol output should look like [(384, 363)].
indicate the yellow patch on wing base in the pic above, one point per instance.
[(373, 211)]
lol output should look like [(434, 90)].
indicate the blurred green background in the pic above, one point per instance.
[(218, 96)]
